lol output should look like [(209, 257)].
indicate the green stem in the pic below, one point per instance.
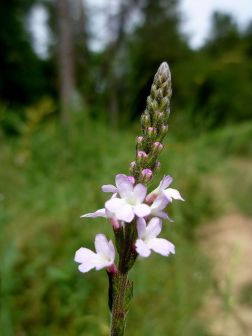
[(122, 293)]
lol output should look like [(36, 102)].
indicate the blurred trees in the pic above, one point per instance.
[(224, 92), (23, 77), (65, 56), (156, 38), (211, 85)]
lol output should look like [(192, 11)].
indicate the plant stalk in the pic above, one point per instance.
[(122, 292)]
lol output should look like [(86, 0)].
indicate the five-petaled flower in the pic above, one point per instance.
[(130, 200), (103, 258), (163, 189), (147, 238)]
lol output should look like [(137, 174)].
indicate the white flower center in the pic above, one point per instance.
[(131, 199)]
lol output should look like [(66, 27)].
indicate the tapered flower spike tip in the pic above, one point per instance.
[(164, 71), (161, 90)]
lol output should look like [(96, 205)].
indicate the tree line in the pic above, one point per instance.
[(211, 85)]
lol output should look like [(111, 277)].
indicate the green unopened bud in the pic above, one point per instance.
[(145, 121), (163, 131), (164, 104), (154, 92), (158, 119)]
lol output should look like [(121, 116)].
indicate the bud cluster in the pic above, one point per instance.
[(154, 124)]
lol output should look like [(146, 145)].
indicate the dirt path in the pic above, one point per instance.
[(228, 306)]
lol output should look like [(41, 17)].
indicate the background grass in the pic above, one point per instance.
[(50, 176)]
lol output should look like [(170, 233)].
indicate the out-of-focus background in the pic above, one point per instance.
[(74, 80)]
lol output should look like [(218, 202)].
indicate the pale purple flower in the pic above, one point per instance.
[(147, 239), (163, 189), (104, 256), (130, 202)]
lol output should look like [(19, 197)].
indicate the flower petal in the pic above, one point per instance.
[(114, 204), (87, 258), (84, 268), (140, 192), (125, 189), (98, 213), (141, 227), (121, 178), (159, 204), (122, 210), (154, 228), (125, 213), (109, 188), (142, 210), (142, 249), (111, 250), (164, 215), (102, 245), (105, 252), (171, 193), (102, 263), (166, 181), (161, 246)]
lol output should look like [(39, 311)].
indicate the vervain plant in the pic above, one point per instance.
[(135, 215)]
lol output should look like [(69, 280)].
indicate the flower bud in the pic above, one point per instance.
[(157, 147), (152, 131), (132, 167), (141, 157), (139, 139), (158, 119), (139, 142), (149, 102), (146, 174), (145, 121), (131, 179), (163, 131), (154, 105), (160, 115), (153, 91), (164, 104), (157, 165), (142, 154)]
